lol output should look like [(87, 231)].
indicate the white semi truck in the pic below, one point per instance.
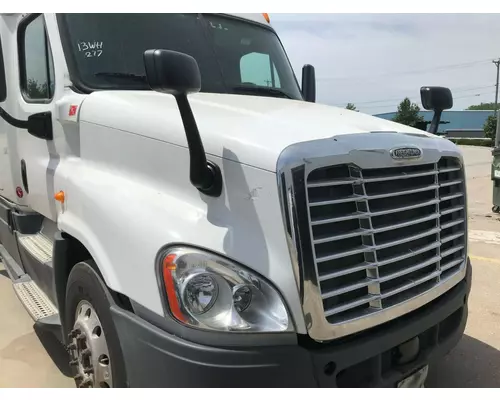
[(182, 213)]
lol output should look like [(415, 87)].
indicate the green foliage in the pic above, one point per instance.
[(486, 142), (351, 106), (36, 90), (482, 106), (408, 114), (490, 127)]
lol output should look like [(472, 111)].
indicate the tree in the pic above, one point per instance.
[(482, 106), (36, 90), (408, 114), (490, 127), (351, 106)]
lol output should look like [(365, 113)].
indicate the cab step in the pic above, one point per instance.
[(38, 245), (38, 305)]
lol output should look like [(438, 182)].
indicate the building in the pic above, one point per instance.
[(466, 123)]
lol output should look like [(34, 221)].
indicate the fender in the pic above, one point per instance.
[(126, 204)]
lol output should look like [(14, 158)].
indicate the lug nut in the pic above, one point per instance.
[(86, 353), (86, 383)]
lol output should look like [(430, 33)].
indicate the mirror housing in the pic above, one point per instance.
[(40, 125), (309, 83), (436, 98), (172, 72), (178, 74)]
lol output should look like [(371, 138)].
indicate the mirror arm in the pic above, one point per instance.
[(204, 175), (436, 119), (13, 121)]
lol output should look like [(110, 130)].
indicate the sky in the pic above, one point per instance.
[(376, 60)]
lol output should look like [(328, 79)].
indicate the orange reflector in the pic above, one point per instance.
[(169, 267), (266, 16), (59, 196)]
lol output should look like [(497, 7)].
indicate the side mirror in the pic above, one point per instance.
[(178, 74), (38, 125), (309, 83), (436, 98), (172, 72)]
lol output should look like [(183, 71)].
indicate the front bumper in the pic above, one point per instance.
[(373, 358)]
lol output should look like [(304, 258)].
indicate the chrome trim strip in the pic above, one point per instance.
[(367, 150)]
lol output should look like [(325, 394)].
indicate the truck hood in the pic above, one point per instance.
[(248, 129)]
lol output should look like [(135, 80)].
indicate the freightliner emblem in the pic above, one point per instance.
[(406, 153)]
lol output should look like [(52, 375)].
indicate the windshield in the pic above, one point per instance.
[(105, 51)]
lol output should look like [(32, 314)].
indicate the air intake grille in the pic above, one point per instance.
[(384, 236)]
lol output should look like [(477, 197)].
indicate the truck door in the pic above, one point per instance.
[(38, 158), (7, 186)]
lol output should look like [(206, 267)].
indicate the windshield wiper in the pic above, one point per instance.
[(126, 75), (262, 90)]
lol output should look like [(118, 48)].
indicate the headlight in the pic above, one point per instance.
[(211, 292)]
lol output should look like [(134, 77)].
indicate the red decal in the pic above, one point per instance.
[(19, 192), (72, 110)]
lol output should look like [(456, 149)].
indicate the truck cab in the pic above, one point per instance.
[(181, 212)]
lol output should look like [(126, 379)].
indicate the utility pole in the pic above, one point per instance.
[(497, 63), (497, 113)]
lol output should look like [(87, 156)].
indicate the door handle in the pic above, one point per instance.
[(24, 176)]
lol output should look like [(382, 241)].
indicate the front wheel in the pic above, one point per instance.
[(95, 354)]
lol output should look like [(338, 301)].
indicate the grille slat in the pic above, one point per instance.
[(409, 239), (452, 223), (410, 285), (332, 183), (348, 306), (411, 253), (452, 237), (336, 201), (452, 210), (336, 219), (346, 289), (452, 196), (411, 269), (451, 183), (451, 251), (451, 264), (405, 224), (446, 170), (394, 177), (402, 193), (383, 236), (341, 236), (347, 271), (405, 208), (357, 250)]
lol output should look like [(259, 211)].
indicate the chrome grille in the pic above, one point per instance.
[(382, 236)]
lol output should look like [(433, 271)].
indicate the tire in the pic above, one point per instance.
[(86, 287)]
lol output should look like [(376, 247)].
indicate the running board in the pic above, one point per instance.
[(38, 305)]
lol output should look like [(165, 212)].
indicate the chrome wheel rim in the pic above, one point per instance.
[(88, 349)]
